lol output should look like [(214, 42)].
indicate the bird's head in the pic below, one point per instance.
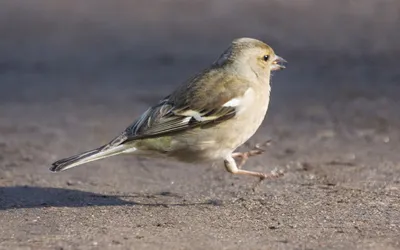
[(252, 53)]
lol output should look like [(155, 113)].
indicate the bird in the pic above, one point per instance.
[(206, 118)]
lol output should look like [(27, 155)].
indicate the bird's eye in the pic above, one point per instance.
[(266, 57)]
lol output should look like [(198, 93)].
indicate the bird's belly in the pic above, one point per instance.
[(204, 145), (210, 143), (243, 131)]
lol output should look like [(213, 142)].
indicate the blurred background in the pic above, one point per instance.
[(60, 58), (74, 67), (52, 49), (74, 73)]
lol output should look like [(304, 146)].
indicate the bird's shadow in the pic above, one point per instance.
[(17, 197)]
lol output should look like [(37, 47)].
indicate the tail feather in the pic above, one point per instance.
[(89, 156)]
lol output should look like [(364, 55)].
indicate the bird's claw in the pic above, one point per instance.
[(272, 175)]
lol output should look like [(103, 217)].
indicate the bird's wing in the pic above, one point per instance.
[(205, 104)]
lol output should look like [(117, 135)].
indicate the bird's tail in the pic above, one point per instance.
[(89, 156)]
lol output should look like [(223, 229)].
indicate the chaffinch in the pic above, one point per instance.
[(206, 118)]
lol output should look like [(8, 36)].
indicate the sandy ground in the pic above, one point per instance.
[(334, 123)]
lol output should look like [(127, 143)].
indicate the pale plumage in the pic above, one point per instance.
[(207, 117)]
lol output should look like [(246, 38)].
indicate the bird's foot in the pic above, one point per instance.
[(258, 149), (272, 175)]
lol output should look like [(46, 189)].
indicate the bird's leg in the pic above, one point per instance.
[(230, 165), (245, 155)]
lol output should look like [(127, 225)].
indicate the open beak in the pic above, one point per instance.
[(278, 63)]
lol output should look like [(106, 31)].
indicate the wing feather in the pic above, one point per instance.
[(203, 106)]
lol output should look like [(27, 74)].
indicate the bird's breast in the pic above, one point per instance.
[(216, 142), (251, 115)]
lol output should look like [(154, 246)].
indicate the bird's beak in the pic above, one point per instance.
[(278, 63)]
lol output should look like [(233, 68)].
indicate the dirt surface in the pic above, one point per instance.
[(334, 122)]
